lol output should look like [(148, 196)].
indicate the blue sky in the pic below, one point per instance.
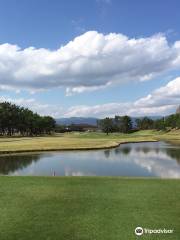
[(126, 59)]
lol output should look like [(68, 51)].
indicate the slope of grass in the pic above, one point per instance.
[(172, 136), (84, 208)]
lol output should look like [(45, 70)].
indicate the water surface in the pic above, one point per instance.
[(158, 159)]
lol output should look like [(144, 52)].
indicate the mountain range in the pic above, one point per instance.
[(77, 120), (90, 120)]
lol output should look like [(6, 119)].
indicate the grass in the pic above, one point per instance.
[(87, 208), (71, 141), (171, 136)]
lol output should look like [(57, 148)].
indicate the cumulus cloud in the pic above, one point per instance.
[(88, 62), (162, 101), (167, 95)]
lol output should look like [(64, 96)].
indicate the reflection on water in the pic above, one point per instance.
[(133, 159), (12, 163)]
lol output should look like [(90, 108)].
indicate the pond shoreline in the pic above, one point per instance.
[(114, 145), (142, 159)]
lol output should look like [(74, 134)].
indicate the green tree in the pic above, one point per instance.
[(19, 120), (126, 126), (144, 123), (106, 125), (160, 124)]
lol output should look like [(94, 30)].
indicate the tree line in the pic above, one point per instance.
[(165, 123), (117, 124), (125, 124), (16, 120)]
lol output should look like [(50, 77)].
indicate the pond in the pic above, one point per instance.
[(150, 159)]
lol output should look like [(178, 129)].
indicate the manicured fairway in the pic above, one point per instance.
[(72, 141), (87, 208), (68, 141)]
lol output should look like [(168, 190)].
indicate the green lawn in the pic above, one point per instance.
[(87, 208), (71, 141)]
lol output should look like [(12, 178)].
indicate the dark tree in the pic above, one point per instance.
[(22, 121), (126, 124), (106, 125), (144, 123), (123, 124), (160, 124)]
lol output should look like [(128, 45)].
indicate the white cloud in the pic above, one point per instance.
[(167, 95), (89, 62), (103, 110), (162, 101)]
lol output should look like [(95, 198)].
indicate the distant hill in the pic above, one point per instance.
[(77, 120), (91, 121)]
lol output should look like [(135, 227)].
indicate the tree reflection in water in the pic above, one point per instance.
[(107, 153), (174, 153), (133, 159), (13, 163), (124, 149)]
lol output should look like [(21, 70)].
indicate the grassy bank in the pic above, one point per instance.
[(80, 141), (71, 141), (87, 208)]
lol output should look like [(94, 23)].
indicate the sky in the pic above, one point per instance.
[(91, 58)]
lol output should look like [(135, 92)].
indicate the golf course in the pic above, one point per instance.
[(89, 120), (86, 207), (82, 141)]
